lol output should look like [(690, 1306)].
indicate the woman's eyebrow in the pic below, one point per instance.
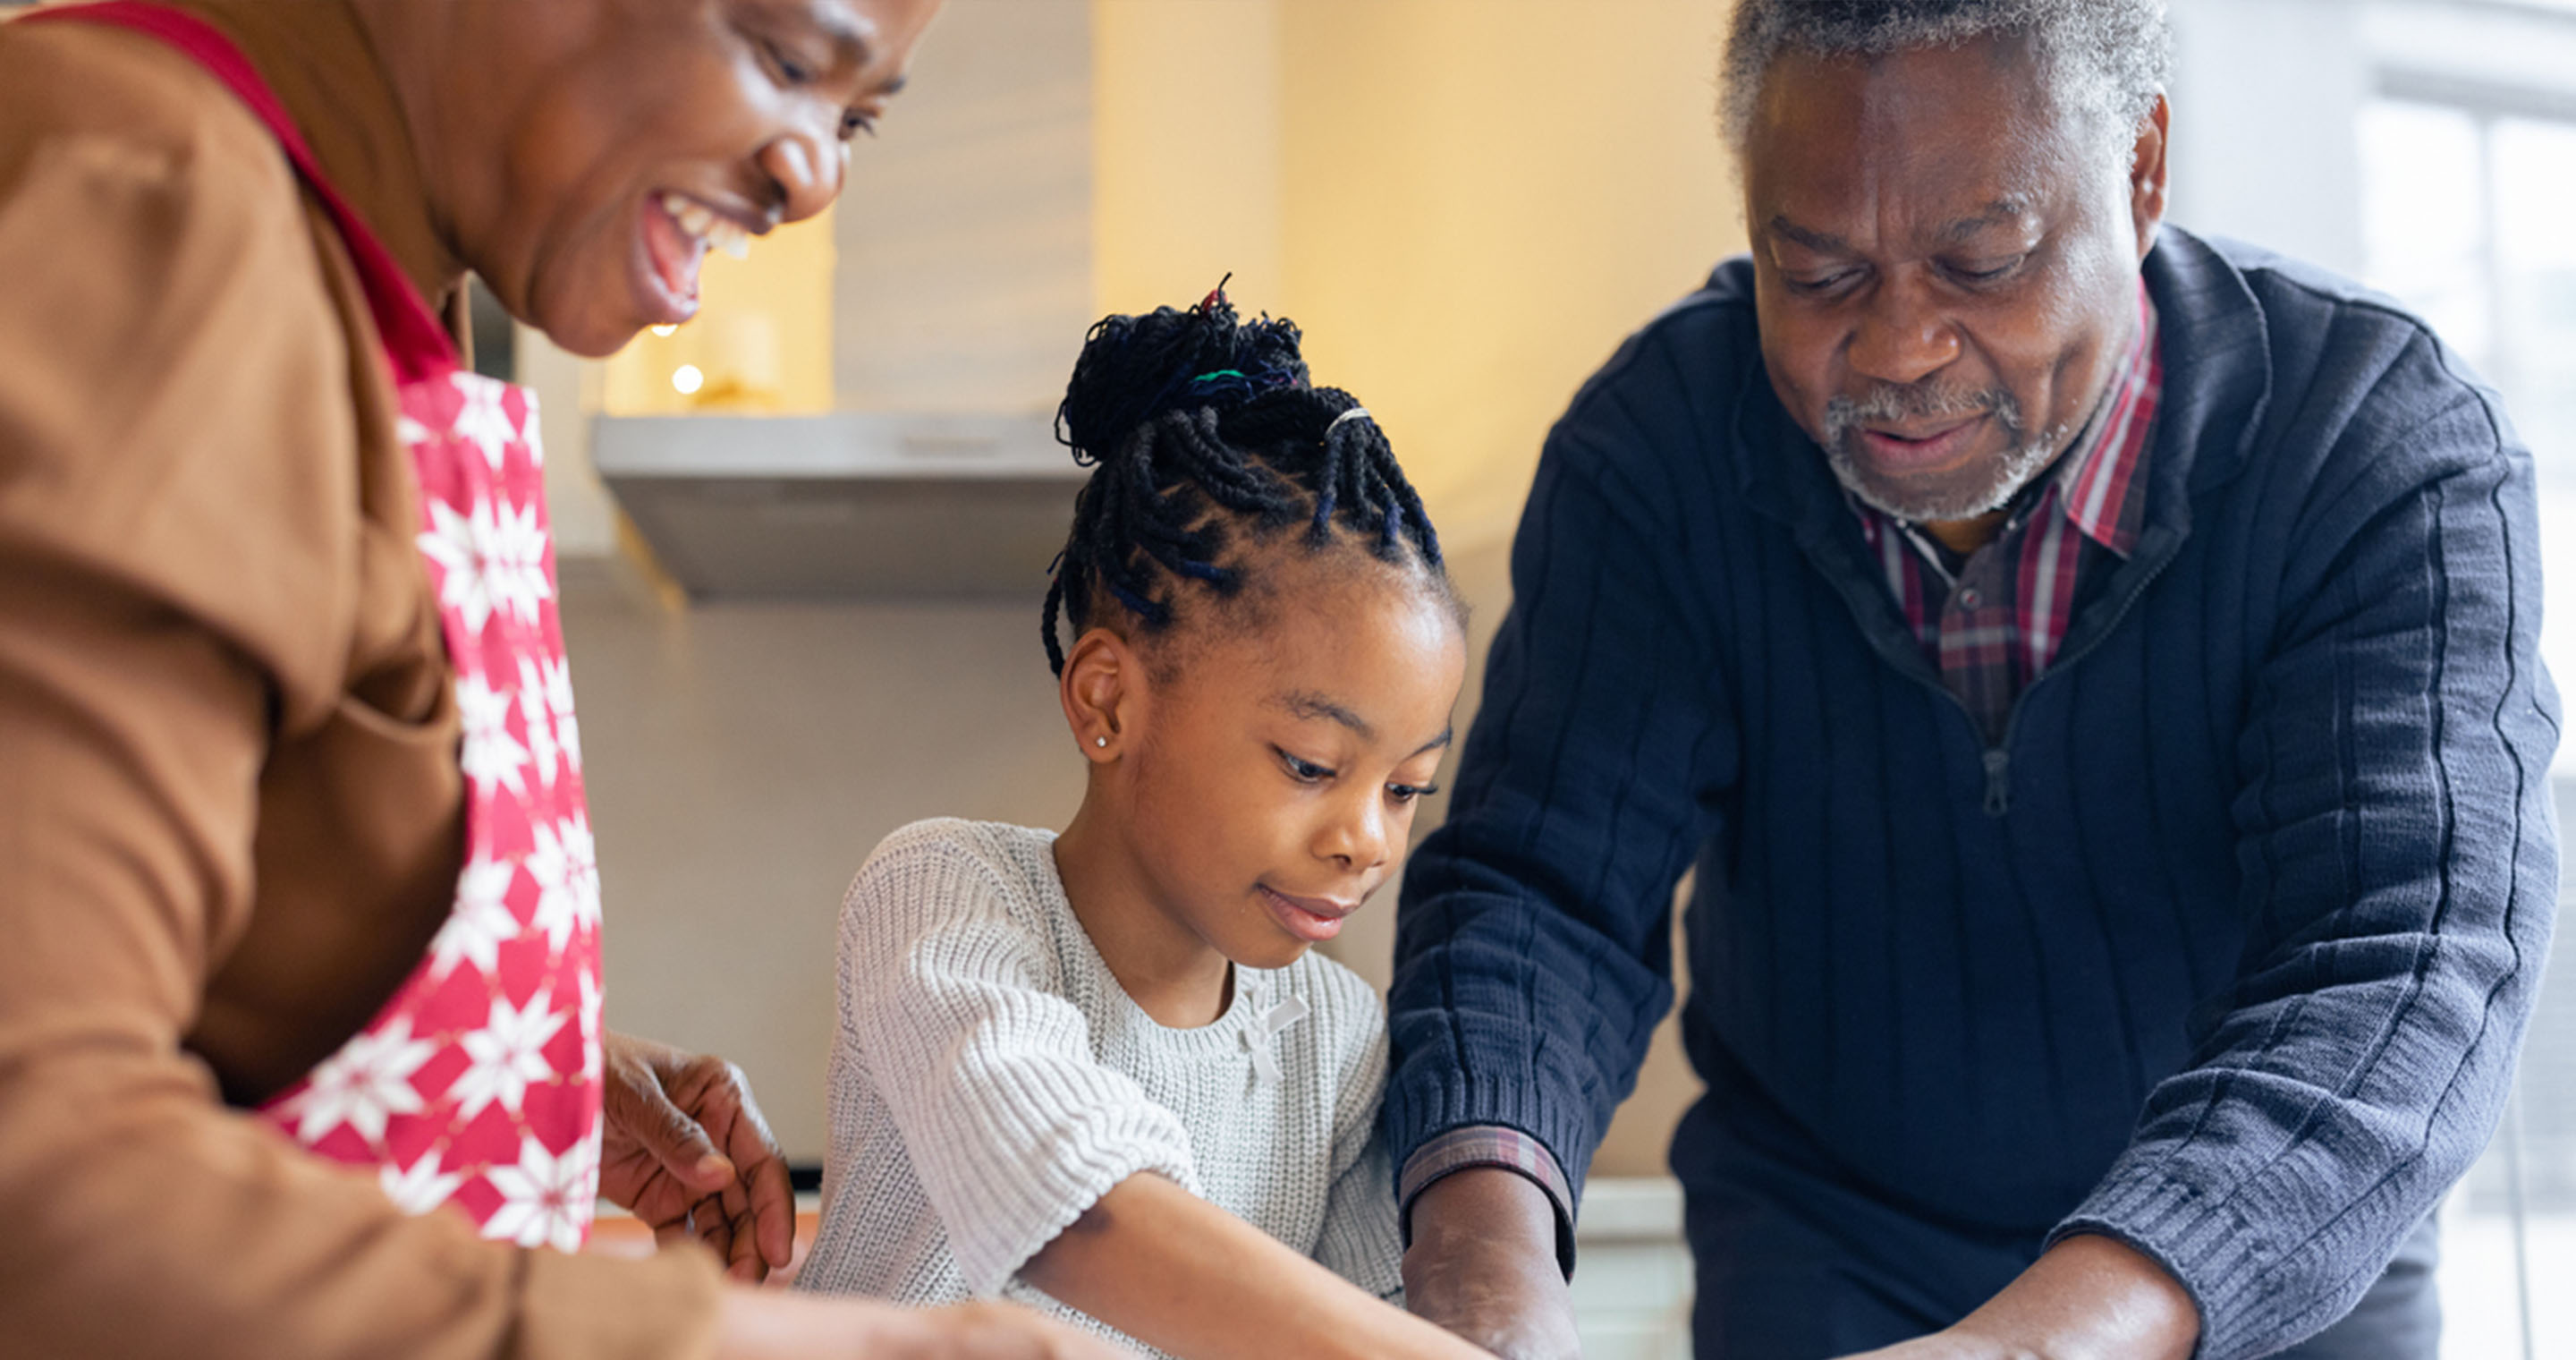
[(852, 37)]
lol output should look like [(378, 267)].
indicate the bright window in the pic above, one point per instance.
[(2469, 218)]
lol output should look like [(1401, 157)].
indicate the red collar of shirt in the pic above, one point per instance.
[(2102, 480)]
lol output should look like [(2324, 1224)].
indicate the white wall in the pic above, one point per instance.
[(2264, 99)]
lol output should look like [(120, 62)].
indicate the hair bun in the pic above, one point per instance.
[(1134, 368)]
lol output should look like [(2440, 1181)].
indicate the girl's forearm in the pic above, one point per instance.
[(1172, 1270)]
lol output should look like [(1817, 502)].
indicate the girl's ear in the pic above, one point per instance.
[(1103, 691)]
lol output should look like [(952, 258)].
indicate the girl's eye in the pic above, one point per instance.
[(1304, 771), (1406, 793), (854, 122)]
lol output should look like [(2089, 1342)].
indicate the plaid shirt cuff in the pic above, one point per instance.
[(1489, 1145)]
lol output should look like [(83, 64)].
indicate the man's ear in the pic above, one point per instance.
[(1104, 690), (2147, 175)]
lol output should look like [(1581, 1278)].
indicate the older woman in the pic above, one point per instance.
[(299, 1000)]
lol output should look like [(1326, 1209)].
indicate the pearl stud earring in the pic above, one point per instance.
[(1100, 741)]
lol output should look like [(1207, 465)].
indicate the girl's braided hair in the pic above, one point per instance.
[(1202, 430)]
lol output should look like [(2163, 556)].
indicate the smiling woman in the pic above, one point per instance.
[(586, 197), (301, 869)]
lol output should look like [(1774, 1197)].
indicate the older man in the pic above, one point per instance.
[(2094, 672), (261, 915)]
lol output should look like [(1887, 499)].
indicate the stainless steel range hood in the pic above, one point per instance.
[(847, 504)]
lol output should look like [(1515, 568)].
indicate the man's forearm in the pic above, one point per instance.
[(1483, 1263), (2088, 1297)]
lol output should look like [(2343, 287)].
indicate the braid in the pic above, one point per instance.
[(1201, 432)]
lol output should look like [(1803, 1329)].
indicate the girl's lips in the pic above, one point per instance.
[(1922, 453), (1311, 919), (666, 266)]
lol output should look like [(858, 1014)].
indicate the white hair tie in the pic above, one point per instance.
[(1355, 413)]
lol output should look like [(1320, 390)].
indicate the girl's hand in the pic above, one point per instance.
[(760, 1325), (1178, 1273)]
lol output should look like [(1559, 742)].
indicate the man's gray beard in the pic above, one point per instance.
[(2028, 455)]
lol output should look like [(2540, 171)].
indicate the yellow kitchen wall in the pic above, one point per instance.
[(1467, 203), (762, 341)]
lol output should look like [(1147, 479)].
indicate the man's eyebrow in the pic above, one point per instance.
[(2001, 212), (1813, 240), (1307, 705)]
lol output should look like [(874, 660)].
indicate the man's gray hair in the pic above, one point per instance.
[(2107, 59)]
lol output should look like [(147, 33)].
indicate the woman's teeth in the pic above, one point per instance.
[(701, 221)]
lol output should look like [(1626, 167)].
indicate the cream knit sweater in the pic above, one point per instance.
[(990, 1081)]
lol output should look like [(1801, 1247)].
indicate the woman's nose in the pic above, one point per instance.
[(807, 171)]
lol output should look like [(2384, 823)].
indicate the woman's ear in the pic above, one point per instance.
[(1103, 691)]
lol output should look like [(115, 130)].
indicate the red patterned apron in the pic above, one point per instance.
[(478, 1085)]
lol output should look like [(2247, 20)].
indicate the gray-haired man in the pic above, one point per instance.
[(2096, 674)]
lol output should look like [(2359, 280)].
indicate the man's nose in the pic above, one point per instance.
[(806, 169), (1902, 337)]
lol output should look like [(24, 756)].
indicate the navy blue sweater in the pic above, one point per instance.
[(2225, 950)]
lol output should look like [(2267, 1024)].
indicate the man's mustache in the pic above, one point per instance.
[(1889, 402)]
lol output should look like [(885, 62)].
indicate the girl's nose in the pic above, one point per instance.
[(1358, 838)]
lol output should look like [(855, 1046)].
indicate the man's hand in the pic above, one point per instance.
[(763, 1325), (688, 1153), (2088, 1298), (1483, 1264)]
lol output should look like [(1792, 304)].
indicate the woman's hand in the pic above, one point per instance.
[(757, 1325), (687, 1152)]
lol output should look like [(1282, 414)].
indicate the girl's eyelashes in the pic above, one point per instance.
[(1406, 793), (1303, 771)]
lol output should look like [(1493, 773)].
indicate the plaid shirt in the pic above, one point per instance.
[(1993, 623)]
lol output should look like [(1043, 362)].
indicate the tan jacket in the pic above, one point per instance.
[(229, 795)]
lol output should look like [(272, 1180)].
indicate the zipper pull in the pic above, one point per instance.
[(1998, 781)]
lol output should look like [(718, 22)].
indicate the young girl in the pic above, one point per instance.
[(1103, 1064)]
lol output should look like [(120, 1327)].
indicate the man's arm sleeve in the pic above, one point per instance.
[(1533, 943), (2400, 874)]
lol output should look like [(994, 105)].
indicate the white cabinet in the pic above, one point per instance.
[(1632, 1271)]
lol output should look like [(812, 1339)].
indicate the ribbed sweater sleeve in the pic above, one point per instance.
[(2399, 873), (1533, 948), (950, 1000)]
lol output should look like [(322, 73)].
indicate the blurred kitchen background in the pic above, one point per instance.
[(804, 538)]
